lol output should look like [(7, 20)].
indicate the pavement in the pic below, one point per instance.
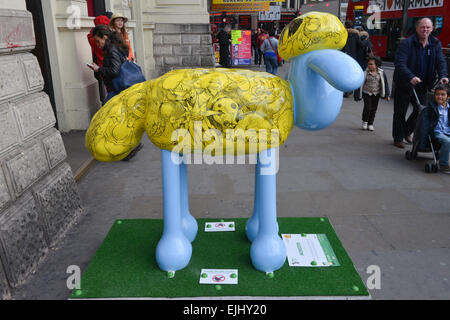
[(389, 214)]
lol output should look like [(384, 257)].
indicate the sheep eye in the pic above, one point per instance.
[(295, 24)]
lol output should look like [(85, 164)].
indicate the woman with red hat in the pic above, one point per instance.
[(96, 51), (97, 54)]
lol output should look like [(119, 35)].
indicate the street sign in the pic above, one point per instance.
[(273, 14)]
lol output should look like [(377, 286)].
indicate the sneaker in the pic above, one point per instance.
[(409, 139), (399, 145), (444, 168), (364, 125), (370, 127)]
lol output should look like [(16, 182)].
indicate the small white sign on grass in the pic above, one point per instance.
[(220, 226), (219, 276)]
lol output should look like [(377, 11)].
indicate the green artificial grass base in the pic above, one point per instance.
[(125, 265)]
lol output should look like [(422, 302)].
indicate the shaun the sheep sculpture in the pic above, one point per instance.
[(198, 106)]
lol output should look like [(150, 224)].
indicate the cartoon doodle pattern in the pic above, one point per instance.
[(217, 99), (118, 126), (311, 31), (220, 100)]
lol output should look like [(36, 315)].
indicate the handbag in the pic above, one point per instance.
[(278, 56), (129, 75)]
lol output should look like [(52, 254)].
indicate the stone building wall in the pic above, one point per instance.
[(38, 196), (177, 46)]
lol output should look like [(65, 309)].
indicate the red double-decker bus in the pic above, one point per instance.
[(385, 26)]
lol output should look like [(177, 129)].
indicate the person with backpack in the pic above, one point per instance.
[(115, 53), (270, 50), (259, 41)]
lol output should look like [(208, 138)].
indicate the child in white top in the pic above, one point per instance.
[(375, 86)]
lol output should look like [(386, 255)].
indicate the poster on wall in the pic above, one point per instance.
[(241, 47)]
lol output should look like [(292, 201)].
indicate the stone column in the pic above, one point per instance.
[(38, 196), (177, 46), (180, 32)]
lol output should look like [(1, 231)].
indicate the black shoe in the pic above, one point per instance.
[(399, 144), (133, 152)]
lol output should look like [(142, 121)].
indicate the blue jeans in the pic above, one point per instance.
[(271, 64), (445, 147), (110, 95)]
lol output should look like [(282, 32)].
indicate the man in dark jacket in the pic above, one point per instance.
[(353, 45), (224, 38), (417, 61), (365, 51), (255, 48)]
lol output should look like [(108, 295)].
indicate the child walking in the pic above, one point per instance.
[(375, 86)]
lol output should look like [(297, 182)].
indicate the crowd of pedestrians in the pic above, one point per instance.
[(264, 47), (420, 67), (111, 49)]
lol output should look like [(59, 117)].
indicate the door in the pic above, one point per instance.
[(41, 49), (96, 7)]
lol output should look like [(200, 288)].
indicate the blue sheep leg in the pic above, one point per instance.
[(188, 222), (174, 250), (268, 252), (251, 228)]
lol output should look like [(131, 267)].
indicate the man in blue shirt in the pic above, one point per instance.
[(417, 61), (442, 129)]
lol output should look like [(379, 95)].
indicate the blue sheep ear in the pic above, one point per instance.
[(318, 79), (339, 69)]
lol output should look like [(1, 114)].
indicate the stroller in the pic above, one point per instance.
[(424, 140)]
